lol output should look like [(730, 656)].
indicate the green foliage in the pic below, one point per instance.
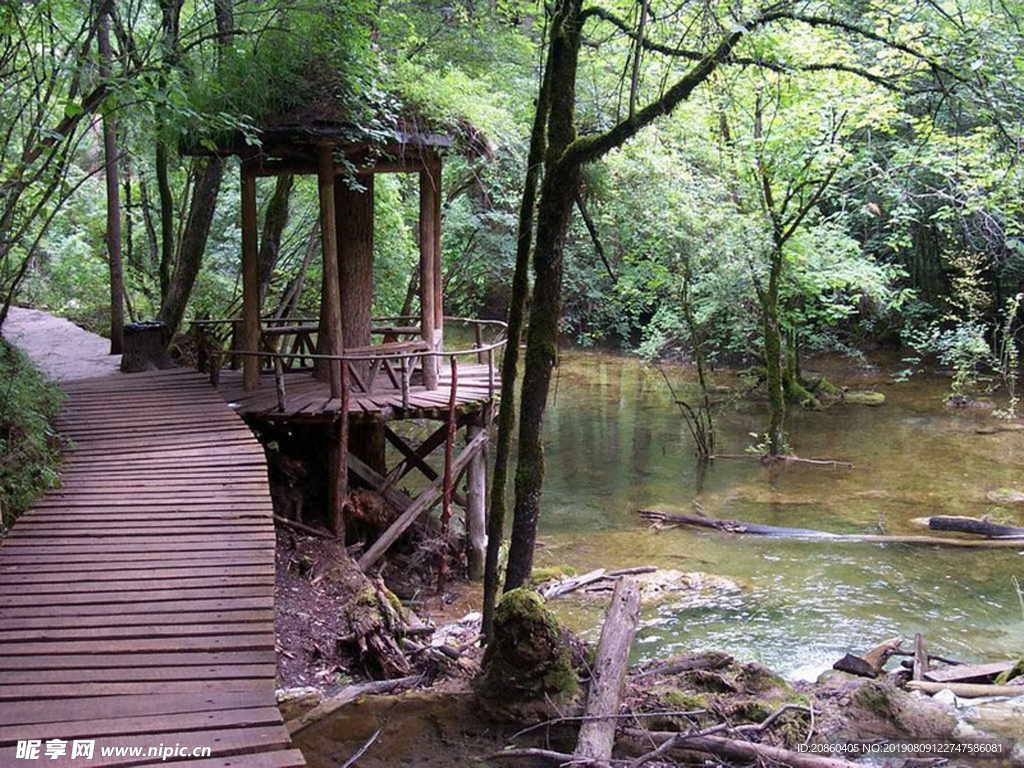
[(29, 447)]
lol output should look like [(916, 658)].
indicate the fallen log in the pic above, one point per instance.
[(967, 690), (597, 734), (968, 673), (808, 534), (974, 525), (347, 695)]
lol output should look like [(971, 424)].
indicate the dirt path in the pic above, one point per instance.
[(58, 347)]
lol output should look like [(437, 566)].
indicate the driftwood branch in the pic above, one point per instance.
[(565, 586), (347, 695)]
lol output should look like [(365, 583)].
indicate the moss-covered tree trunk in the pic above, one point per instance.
[(558, 193), (510, 361), (773, 357)]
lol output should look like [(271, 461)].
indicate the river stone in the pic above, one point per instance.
[(1005, 496), (873, 399)]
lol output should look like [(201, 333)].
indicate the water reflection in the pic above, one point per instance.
[(615, 444)]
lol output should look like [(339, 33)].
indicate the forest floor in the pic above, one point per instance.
[(58, 347)]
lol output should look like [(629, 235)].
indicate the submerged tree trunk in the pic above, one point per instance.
[(558, 193), (113, 237), (510, 360)]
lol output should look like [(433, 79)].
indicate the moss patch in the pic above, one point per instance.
[(1015, 671), (873, 399), (541, 575)]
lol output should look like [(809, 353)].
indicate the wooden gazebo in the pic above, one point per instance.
[(346, 227), (342, 376)]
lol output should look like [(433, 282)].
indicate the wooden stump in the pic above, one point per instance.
[(145, 348)]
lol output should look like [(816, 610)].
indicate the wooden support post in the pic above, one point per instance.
[(330, 300), (476, 504), (428, 315), (250, 336), (435, 172), (597, 734), (339, 463)]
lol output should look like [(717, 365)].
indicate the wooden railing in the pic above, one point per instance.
[(395, 361)]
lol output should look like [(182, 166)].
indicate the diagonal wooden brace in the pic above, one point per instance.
[(422, 503)]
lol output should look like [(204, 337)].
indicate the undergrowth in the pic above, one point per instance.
[(29, 445)]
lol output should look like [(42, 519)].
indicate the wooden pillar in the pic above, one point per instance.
[(476, 507), (428, 314), (330, 299), (250, 336), (438, 276), (354, 212)]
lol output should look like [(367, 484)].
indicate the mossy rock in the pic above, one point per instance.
[(754, 678), (1012, 673), (873, 399), (529, 656)]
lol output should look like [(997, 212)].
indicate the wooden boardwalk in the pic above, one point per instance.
[(137, 602)]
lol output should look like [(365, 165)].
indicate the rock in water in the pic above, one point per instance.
[(1005, 496), (873, 399), (529, 656)]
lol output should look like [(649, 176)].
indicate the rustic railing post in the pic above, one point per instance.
[(339, 461), (446, 499), (279, 384), (478, 334)]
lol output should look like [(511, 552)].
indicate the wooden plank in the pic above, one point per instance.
[(73, 709), (152, 619), (291, 758), (250, 717), (123, 661), (140, 675), (236, 741)]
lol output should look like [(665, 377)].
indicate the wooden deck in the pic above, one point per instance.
[(309, 398), (137, 602)]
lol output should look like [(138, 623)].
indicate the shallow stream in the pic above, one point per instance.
[(615, 444)]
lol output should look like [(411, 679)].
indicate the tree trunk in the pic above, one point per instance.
[(170, 23), (354, 216), (113, 237), (207, 175), (773, 359), (273, 228), (510, 359), (193, 243), (556, 200)]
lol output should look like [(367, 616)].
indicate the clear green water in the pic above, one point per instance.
[(615, 444)]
